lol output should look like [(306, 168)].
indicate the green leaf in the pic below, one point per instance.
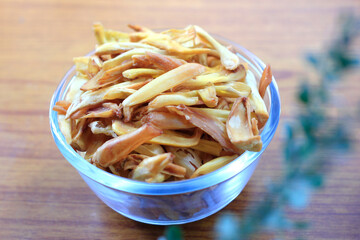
[(304, 93), (276, 220), (298, 194), (301, 225), (227, 227), (173, 233), (313, 59), (316, 180)]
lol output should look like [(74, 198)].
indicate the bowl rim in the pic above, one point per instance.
[(175, 187)]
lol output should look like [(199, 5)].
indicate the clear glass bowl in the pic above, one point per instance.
[(172, 202)]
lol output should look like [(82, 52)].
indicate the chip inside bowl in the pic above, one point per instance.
[(162, 106)]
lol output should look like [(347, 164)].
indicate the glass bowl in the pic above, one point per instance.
[(172, 202)]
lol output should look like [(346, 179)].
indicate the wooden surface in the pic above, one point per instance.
[(43, 197)]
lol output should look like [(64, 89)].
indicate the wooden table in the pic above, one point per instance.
[(43, 197)]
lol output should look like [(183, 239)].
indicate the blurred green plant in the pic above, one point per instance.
[(312, 141)]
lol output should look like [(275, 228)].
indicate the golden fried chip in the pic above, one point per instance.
[(164, 82)]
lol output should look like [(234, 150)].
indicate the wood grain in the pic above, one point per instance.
[(43, 197)]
